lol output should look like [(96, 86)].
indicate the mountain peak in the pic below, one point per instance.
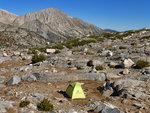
[(7, 17)]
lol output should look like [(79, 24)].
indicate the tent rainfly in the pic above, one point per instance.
[(75, 91)]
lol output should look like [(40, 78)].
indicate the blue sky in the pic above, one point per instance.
[(115, 14)]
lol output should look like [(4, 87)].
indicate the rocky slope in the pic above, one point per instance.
[(7, 17), (113, 67), (55, 25), (15, 37)]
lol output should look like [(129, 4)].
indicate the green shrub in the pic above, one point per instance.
[(57, 51), (141, 64), (99, 67), (122, 47), (133, 44), (107, 35), (45, 105), (23, 58), (68, 46), (99, 51), (100, 39), (33, 50), (58, 46), (112, 66), (24, 103), (146, 37), (38, 58)]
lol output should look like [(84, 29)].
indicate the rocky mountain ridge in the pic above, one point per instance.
[(52, 24), (7, 17)]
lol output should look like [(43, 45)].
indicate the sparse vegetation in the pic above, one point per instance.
[(57, 51), (24, 103), (99, 67), (122, 47), (146, 37), (45, 105), (58, 46), (141, 64), (133, 44), (38, 58), (99, 51)]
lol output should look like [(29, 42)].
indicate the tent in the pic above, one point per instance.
[(75, 91)]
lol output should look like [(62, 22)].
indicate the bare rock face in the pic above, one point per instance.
[(55, 25), (12, 36), (7, 17)]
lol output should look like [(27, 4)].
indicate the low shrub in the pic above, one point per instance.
[(99, 67), (122, 47), (133, 44), (58, 46), (45, 105), (107, 35), (141, 64), (24, 103), (112, 66), (38, 58), (57, 51), (99, 51), (146, 37)]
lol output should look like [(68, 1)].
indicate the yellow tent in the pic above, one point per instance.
[(75, 91)]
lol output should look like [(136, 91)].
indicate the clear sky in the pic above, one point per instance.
[(115, 14)]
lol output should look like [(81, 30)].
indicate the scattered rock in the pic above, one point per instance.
[(14, 80), (5, 54), (5, 105), (50, 50), (28, 77), (127, 63), (125, 71), (107, 108)]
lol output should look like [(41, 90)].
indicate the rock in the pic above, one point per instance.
[(68, 53), (38, 96), (54, 70), (85, 49), (113, 64), (90, 63), (1, 85), (107, 108), (127, 63), (110, 76), (108, 92), (50, 50), (72, 111), (31, 106), (107, 53), (97, 76), (4, 105), (14, 80), (5, 54), (138, 106), (97, 62), (125, 71), (94, 103), (147, 71), (16, 53), (2, 79), (127, 82), (28, 77)]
